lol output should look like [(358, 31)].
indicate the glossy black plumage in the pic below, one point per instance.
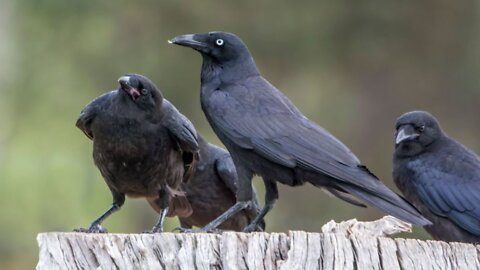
[(267, 135), (440, 176), (142, 146)]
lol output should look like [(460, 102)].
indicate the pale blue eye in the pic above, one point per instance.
[(219, 42)]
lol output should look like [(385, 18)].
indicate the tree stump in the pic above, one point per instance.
[(349, 247)]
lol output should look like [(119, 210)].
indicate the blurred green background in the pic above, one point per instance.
[(351, 66)]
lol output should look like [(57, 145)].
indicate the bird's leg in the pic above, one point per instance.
[(244, 200), (239, 206), (212, 226), (96, 226), (271, 196), (163, 203)]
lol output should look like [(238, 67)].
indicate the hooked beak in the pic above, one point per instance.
[(125, 86), (405, 133), (192, 41)]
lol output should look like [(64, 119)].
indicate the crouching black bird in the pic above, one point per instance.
[(211, 191), (440, 176), (142, 146), (267, 135)]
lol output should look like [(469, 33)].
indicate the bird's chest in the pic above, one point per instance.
[(127, 137), (403, 174), (408, 174), (218, 97), (128, 149)]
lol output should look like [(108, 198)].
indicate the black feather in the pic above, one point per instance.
[(441, 177), (267, 135)]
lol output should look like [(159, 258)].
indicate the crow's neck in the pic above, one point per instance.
[(227, 72), (126, 108)]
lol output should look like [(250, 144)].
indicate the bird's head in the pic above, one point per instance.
[(415, 132), (219, 47), (140, 90)]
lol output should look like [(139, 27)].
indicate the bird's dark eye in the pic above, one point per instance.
[(219, 42), (420, 128), (144, 91)]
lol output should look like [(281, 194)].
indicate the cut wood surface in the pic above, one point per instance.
[(295, 250)]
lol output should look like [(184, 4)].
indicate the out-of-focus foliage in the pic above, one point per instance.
[(352, 66)]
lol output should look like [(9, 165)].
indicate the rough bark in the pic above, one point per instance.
[(295, 250)]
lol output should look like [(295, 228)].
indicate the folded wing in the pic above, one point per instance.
[(453, 192)]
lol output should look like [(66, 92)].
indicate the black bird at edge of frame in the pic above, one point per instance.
[(267, 135), (438, 175), (143, 147)]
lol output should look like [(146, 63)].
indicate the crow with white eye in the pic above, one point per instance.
[(268, 136)]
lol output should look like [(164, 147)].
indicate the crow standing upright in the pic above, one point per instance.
[(211, 191), (142, 146), (267, 135), (440, 176)]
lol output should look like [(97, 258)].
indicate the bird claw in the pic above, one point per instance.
[(94, 228), (151, 232), (251, 228), (184, 230), (154, 230), (202, 230)]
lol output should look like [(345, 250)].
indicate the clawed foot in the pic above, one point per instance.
[(252, 228), (202, 230), (95, 228), (185, 230), (154, 230)]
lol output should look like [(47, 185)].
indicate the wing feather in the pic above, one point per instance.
[(273, 128), (180, 128), (452, 194), (88, 114), (256, 116)]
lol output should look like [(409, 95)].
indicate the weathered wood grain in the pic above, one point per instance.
[(295, 250)]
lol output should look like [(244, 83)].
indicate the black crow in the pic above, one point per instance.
[(438, 175), (142, 146), (211, 191), (267, 135)]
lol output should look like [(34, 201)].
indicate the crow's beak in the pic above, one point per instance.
[(192, 40), (124, 82), (405, 133)]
